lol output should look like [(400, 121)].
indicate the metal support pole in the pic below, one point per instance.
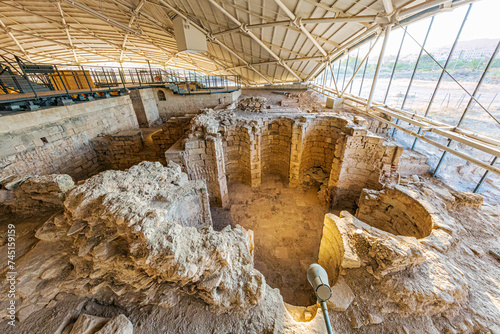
[(26, 77), (433, 96), (106, 77), (413, 76), (150, 71), (471, 101), (345, 71), (484, 176), (379, 64), (122, 77), (131, 76), (60, 78), (138, 77), (364, 72), (355, 64), (327, 319), (87, 79), (324, 79), (333, 77), (394, 67), (361, 64), (338, 71)]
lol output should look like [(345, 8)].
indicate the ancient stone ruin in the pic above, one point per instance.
[(208, 222)]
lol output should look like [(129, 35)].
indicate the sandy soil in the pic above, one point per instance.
[(287, 229)]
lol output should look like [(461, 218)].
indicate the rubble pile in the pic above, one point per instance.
[(252, 104)]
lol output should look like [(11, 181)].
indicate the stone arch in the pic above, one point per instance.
[(276, 147), (161, 95)]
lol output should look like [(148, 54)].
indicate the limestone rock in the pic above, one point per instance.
[(47, 191), (88, 324), (118, 325), (431, 287), (342, 296), (384, 252), (375, 319), (439, 240), (471, 200), (495, 253), (131, 235), (53, 183)]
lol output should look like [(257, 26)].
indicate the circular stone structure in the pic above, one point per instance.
[(395, 210)]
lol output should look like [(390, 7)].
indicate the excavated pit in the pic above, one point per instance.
[(287, 227), (249, 198), (396, 211)]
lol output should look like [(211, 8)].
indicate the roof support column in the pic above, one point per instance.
[(255, 38), (66, 27), (333, 76), (135, 13), (379, 64), (360, 65), (470, 103)]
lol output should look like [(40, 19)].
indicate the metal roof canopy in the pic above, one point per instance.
[(264, 41)]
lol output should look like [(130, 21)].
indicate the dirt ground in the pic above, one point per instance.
[(287, 227)]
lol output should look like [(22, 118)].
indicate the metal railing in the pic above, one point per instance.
[(36, 81)]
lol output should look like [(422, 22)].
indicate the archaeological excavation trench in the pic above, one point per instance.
[(217, 216)]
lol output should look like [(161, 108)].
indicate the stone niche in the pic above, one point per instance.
[(397, 211), (224, 146)]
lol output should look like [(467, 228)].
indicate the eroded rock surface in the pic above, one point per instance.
[(118, 239)]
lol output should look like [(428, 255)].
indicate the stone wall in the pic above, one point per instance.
[(145, 106), (275, 148), (396, 211), (349, 157), (122, 150), (179, 105), (236, 147), (171, 131), (320, 140), (363, 161), (203, 159), (27, 194), (413, 163), (58, 140)]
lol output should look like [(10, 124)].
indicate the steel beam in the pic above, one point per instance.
[(66, 28), (214, 40), (346, 45), (361, 64), (103, 17), (379, 64), (255, 38), (367, 19), (389, 8), (484, 176), (299, 23), (12, 37), (333, 76), (135, 13)]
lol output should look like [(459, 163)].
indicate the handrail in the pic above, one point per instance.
[(70, 80)]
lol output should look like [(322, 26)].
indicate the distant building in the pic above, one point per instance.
[(468, 50)]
